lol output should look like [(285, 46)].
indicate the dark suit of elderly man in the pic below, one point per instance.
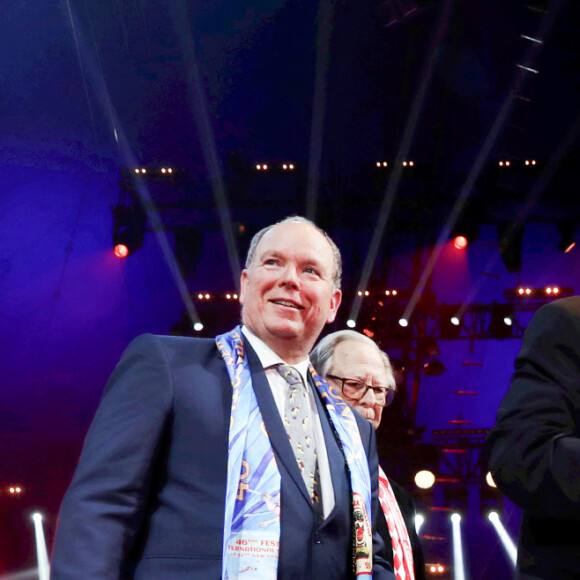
[(534, 447), (354, 364), (230, 458)]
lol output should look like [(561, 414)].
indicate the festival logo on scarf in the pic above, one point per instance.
[(363, 539)]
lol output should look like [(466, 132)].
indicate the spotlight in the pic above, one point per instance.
[(424, 479), (41, 551), (350, 323), (490, 500), (129, 224), (464, 233), (507, 542), (501, 321), (121, 251), (436, 569), (458, 562), (403, 322), (198, 326), (449, 321)]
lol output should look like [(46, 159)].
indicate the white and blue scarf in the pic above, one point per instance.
[(251, 541)]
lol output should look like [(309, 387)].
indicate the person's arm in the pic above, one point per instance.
[(534, 448), (104, 506)]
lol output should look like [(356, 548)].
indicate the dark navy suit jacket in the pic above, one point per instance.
[(147, 498), (534, 447)]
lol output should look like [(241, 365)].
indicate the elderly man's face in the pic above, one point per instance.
[(353, 359), (288, 294)]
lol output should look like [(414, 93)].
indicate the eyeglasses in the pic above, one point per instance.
[(356, 390)]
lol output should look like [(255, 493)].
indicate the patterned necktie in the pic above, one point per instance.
[(298, 423)]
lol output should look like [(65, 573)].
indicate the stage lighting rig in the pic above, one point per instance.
[(543, 294), (129, 223), (464, 234)]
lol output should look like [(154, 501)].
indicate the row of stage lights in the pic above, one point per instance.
[(145, 171), (508, 319), (508, 163), (534, 292), (206, 296), (292, 166), (284, 167), (385, 164), (367, 293)]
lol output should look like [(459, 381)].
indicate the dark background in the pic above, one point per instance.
[(92, 90)]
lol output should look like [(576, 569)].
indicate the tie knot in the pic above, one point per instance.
[(290, 375)]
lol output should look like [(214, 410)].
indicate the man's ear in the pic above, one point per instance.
[(243, 285), (335, 301)]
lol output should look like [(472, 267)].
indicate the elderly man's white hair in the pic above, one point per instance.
[(322, 355)]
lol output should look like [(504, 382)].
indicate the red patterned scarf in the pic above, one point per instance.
[(402, 552)]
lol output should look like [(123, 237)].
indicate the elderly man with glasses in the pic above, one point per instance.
[(355, 366)]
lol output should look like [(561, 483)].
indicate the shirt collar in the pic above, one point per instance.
[(269, 358)]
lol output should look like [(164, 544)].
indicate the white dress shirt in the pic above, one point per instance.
[(279, 388)]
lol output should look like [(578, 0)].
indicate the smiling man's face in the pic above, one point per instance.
[(288, 295)]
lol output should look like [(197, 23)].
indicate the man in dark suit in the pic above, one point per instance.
[(534, 447), (355, 365), (227, 458)]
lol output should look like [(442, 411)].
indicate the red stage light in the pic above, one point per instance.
[(460, 242), (121, 251)]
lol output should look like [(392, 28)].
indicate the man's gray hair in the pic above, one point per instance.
[(322, 355), (337, 265)]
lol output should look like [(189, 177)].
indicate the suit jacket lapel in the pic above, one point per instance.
[(273, 421), (336, 460)]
